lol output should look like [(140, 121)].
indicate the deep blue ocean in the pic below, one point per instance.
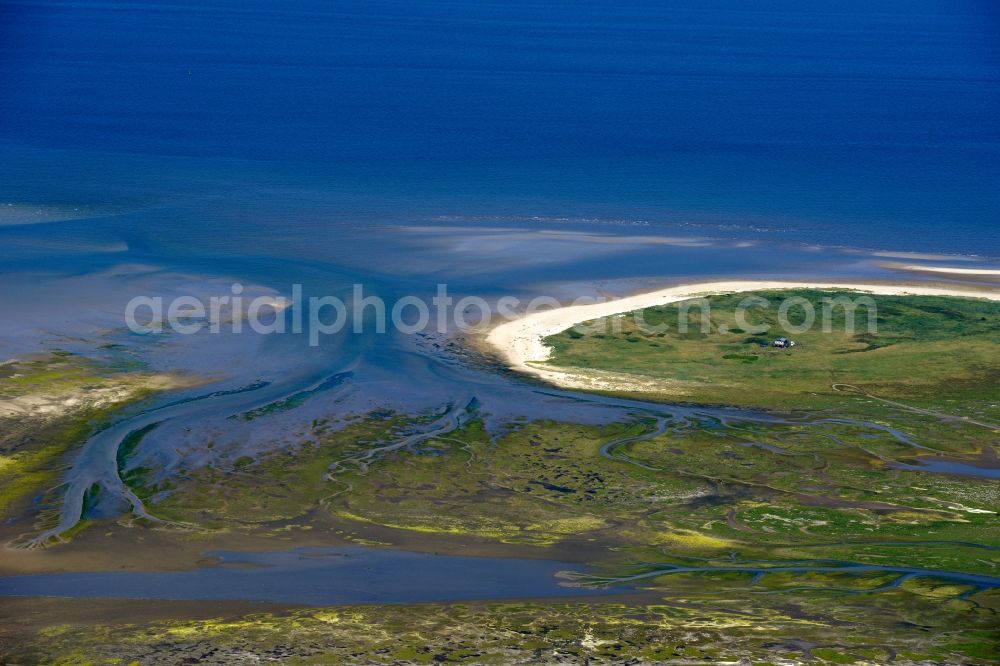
[(860, 123)]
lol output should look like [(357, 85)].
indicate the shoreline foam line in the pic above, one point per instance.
[(520, 342), (945, 269)]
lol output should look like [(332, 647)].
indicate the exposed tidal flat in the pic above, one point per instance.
[(49, 404), (807, 521), (831, 477)]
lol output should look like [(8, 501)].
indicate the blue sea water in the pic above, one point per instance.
[(869, 124)]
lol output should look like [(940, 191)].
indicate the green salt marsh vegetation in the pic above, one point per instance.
[(49, 405), (698, 489)]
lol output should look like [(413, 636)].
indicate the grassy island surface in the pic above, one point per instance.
[(928, 349)]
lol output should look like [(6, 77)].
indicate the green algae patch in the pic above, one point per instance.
[(281, 485), (511, 490), (538, 485)]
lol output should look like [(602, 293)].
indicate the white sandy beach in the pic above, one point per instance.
[(520, 342)]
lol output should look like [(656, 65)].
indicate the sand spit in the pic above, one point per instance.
[(950, 270)]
